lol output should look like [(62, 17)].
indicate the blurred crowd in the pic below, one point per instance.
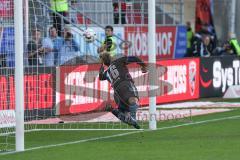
[(60, 45), (204, 43), (51, 50)]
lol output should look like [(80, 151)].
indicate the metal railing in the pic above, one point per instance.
[(134, 11)]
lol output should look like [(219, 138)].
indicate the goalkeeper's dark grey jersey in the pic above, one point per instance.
[(118, 72)]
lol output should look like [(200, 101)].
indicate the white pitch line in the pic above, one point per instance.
[(122, 134)]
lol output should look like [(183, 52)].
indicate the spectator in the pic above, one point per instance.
[(224, 50), (70, 48), (40, 50), (196, 44), (206, 48), (201, 46), (190, 35), (230, 47), (57, 43), (60, 11), (119, 7), (233, 42), (207, 30)]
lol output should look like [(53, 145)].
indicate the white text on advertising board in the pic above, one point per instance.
[(164, 43), (225, 77)]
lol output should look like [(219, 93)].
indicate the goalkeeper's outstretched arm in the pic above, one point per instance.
[(135, 59)]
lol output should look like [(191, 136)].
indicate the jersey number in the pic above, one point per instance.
[(114, 72)]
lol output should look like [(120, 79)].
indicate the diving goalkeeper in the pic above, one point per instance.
[(125, 92)]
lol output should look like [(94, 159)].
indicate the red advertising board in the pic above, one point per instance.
[(38, 89), (165, 41), (81, 91), (6, 8), (183, 75)]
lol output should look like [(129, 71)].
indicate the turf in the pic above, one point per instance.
[(212, 140)]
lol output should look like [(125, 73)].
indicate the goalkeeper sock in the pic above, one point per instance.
[(133, 109)]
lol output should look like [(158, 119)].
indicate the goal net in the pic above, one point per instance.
[(61, 86)]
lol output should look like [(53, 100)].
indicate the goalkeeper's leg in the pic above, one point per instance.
[(133, 106), (127, 114)]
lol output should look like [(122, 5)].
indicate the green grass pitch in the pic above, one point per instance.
[(209, 137)]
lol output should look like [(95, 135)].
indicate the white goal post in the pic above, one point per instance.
[(152, 61), (19, 74)]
